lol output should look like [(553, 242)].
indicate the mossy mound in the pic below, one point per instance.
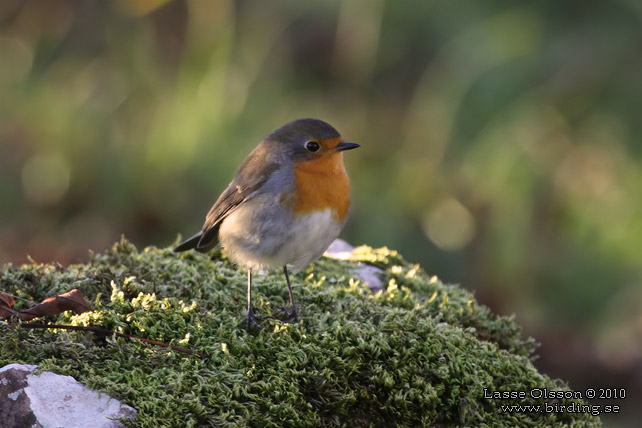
[(419, 354)]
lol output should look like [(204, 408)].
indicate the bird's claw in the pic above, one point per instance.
[(251, 318), (291, 314)]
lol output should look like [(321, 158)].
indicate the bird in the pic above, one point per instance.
[(288, 201)]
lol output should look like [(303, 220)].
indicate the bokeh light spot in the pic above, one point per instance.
[(449, 225), (587, 171)]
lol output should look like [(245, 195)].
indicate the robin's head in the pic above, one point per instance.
[(305, 140)]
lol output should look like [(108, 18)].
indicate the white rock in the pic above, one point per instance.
[(370, 275), (20, 367), (339, 249), (49, 400)]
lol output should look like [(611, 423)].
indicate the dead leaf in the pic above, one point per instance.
[(6, 300), (70, 301)]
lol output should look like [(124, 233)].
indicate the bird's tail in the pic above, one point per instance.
[(202, 242), (189, 243)]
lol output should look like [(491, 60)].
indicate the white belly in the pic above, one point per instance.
[(273, 240), (314, 233)]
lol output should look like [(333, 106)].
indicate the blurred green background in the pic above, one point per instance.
[(500, 142)]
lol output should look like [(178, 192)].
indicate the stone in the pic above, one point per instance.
[(49, 400), (370, 275)]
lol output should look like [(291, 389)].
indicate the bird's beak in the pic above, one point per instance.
[(346, 146)]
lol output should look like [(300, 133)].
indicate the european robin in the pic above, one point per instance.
[(286, 204)]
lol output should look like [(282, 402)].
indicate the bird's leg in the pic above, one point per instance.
[(250, 312), (293, 313)]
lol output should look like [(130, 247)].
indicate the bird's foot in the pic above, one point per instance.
[(291, 314), (254, 320)]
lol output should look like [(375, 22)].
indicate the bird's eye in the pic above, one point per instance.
[(312, 146)]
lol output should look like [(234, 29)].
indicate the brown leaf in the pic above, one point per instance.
[(6, 300), (70, 301), (6, 312)]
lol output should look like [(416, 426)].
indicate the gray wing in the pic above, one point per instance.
[(251, 175)]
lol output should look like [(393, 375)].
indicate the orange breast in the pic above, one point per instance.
[(321, 184)]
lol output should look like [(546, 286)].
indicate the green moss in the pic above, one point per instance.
[(419, 354)]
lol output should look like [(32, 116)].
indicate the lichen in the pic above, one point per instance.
[(419, 353)]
